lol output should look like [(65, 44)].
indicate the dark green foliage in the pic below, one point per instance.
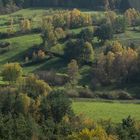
[(22, 121), (104, 32), (57, 105), (120, 25), (87, 55), (79, 50), (73, 49), (92, 4), (7, 103), (86, 34), (127, 130), (19, 128)]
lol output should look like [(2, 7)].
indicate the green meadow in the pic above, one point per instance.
[(114, 111)]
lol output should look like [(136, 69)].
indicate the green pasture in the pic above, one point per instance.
[(115, 111)]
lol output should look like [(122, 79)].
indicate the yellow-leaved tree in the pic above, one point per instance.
[(95, 134), (25, 25), (11, 72), (34, 87)]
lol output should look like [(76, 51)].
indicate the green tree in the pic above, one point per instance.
[(86, 34), (73, 72), (120, 25), (11, 72), (25, 25), (57, 104), (60, 33), (22, 104), (48, 35), (34, 87), (127, 130), (18, 127), (88, 52), (105, 32), (73, 49), (59, 20)]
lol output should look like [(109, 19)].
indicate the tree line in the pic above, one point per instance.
[(89, 4)]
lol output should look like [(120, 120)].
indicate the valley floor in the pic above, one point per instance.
[(107, 110)]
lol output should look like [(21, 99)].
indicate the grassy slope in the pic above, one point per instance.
[(129, 36), (27, 12), (19, 46), (35, 13), (100, 110)]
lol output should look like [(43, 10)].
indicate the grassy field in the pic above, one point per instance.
[(102, 110), (35, 14), (18, 48)]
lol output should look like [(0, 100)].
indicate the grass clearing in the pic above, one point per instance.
[(102, 110), (128, 37)]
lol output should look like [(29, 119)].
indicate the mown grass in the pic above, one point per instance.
[(102, 110)]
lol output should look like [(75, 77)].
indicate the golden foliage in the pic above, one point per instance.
[(95, 134), (11, 72), (25, 25), (131, 15)]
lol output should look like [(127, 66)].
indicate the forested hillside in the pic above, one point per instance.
[(69, 70), (92, 4)]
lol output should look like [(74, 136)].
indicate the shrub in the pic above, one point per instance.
[(85, 93), (4, 44), (53, 78), (4, 35), (107, 95), (123, 95), (127, 130), (115, 95), (72, 93)]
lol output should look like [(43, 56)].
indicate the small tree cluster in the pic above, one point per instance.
[(11, 72), (25, 25), (132, 16), (34, 87), (116, 64), (73, 72), (81, 51)]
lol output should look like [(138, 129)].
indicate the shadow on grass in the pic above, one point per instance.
[(56, 64)]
